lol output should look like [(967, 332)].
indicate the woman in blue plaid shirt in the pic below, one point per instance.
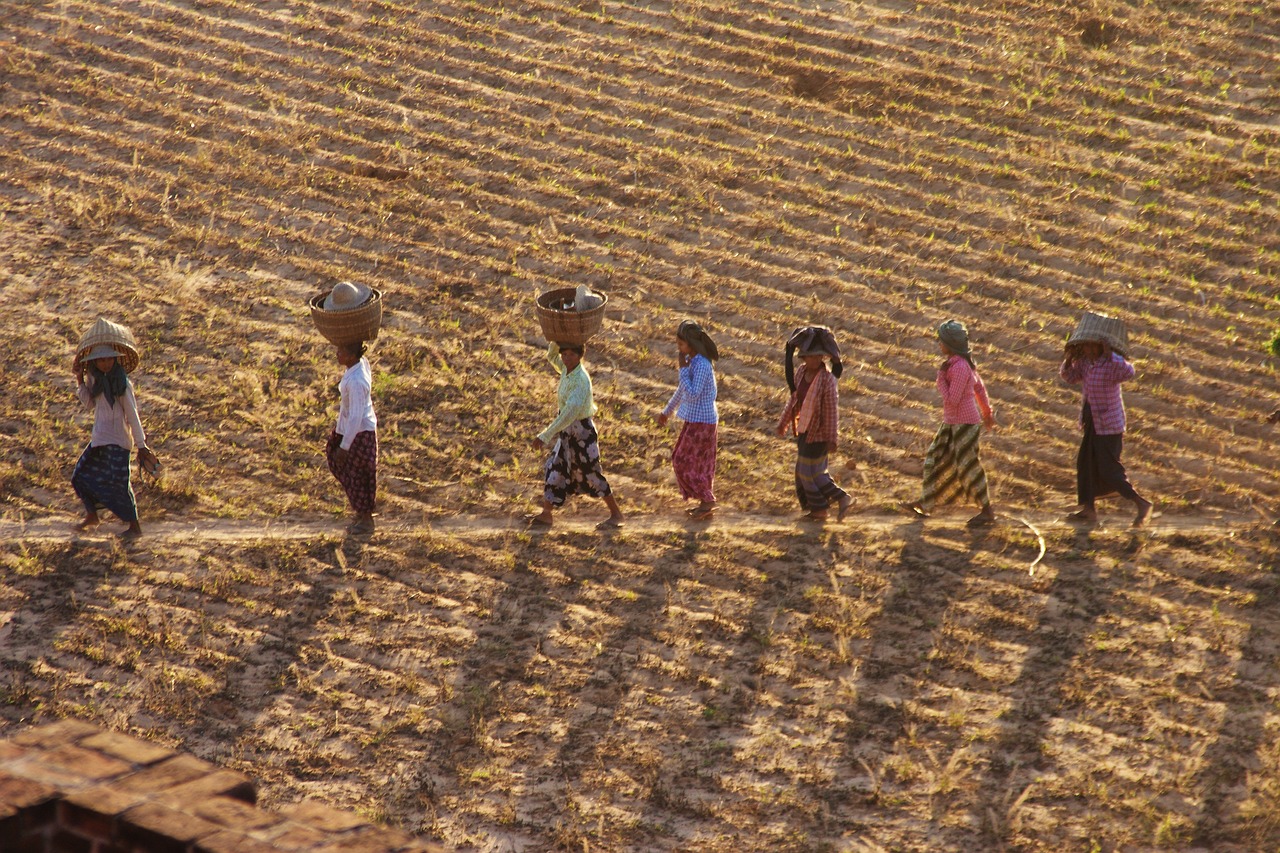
[(694, 402)]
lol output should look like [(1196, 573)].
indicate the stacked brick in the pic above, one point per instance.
[(70, 787)]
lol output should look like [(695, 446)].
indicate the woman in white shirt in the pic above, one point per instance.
[(101, 476), (352, 449)]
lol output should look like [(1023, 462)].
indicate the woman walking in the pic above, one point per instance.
[(352, 449), (694, 402), (101, 477), (952, 469), (1099, 370), (574, 464), (812, 415)]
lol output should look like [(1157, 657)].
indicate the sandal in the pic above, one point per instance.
[(537, 520), (986, 518), (609, 523), (914, 508)]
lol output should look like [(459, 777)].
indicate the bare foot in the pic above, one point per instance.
[(609, 523), (1084, 516), (814, 516), (362, 525), (133, 531), (1144, 512), (87, 523), (538, 519)]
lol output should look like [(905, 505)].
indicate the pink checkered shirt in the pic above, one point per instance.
[(964, 396), (1101, 380)]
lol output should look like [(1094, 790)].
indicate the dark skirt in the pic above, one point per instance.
[(814, 487), (358, 475), (1099, 473), (573, 468), (101, 480)]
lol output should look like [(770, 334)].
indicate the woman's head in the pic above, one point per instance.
[(104, 364), (571, 354), (693, 340), (349, 355)]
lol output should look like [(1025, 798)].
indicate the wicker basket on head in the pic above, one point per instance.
[(119, 338), (1100, 328), (565, 325), (351, 326)]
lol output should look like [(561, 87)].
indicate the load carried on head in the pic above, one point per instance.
[(1099, 328), (347, 314), (571, 315), (105, 339)]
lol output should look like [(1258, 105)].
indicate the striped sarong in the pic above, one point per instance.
[(573, 467), (101, 480), (952, 469), (694, 461), (358, 475), (814, 487)]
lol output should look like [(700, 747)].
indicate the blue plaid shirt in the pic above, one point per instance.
[(696, 394)]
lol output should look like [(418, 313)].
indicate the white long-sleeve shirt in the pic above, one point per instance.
[(118, 424), (355, 412)]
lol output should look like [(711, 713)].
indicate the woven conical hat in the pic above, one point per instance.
[(113, 335)]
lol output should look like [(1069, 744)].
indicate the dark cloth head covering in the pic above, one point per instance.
[(701, 343), (812, 340), (113, 383), (956, 337)]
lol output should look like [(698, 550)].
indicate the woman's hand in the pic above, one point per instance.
[(663, 418), (341, 454), (781, 431), (538, 443), (989, 420)]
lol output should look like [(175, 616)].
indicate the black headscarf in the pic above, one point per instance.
[(114, 383), (809, 338), (701, 343)]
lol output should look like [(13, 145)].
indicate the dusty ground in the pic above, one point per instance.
[(198, 169)]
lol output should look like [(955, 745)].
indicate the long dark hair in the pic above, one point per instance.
[(114, 383)]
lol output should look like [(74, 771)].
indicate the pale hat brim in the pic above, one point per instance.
[(101, 351)]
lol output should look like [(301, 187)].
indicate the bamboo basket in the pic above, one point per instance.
[(114, 335), (569, 326), (351, 326), (1101, 329)]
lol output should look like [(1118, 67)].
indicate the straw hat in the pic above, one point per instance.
[(105, 339), (347, 296)]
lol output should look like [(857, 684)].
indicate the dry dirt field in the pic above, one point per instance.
[(198, 168)]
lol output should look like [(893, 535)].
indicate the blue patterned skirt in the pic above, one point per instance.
[(101, 480)]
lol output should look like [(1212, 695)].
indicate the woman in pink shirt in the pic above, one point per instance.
[(1099, 370), (952, 469)]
